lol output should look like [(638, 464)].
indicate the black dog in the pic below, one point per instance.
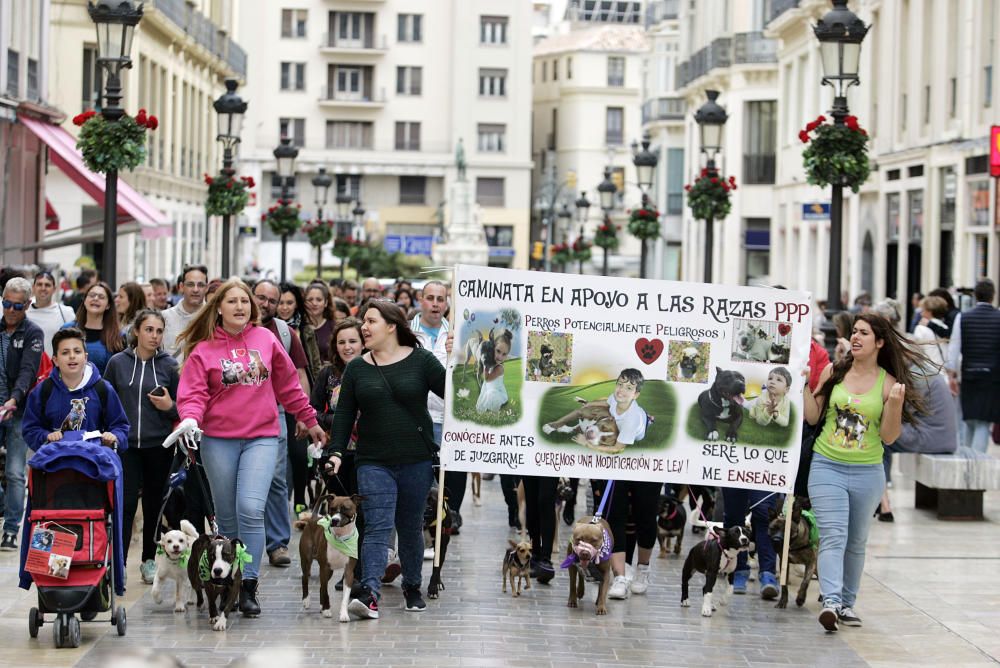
[(430, 526), (215, 573), (670, 520), (802, 548), (546, 365), (715, 556), (723, 402)]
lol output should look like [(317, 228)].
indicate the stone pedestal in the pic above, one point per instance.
[(464, 239)]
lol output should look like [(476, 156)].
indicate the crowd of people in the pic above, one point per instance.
[(281, 384)]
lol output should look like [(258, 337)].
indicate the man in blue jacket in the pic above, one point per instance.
[(21, 345)]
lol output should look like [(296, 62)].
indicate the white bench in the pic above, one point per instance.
[(953, 485)]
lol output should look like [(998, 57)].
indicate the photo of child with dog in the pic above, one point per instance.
[(761, 341), (487, 378), (611, 415), (550, 358)]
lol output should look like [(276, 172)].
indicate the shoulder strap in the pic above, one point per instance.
[(284, 333), (47, 386)]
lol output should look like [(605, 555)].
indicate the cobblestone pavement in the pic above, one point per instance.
[(927, 599)]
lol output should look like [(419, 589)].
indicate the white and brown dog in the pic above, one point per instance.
[(331, 540), (215, 571), (172, 554), (592, 425)]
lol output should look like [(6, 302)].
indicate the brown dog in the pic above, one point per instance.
[(592, 425), (330, 539), (517, 567), (590, 550)]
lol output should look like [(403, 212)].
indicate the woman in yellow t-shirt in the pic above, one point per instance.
[(863, 400)]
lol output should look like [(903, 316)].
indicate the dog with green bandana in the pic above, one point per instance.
[(329, 538), (215, 571), (172, 554)]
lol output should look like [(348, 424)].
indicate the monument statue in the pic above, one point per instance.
[(460, 159)]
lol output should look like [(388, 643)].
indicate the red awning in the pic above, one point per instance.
[(51, 217), (65, 155)]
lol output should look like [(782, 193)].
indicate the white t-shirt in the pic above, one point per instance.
[(50, 319), (631, 423)]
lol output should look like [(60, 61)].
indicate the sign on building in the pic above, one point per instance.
[(408, 244)]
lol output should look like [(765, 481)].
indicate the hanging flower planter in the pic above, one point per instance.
[(113, 146), (709, 195), (606, 236), (561, 254), (320, 232), (582, 250), (283, 218), (227, 196), (836, 154), (644, 223), (343, 247)]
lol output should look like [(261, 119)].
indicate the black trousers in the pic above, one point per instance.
[(508, 485), (456, 482), (146, 469), (540, 514)]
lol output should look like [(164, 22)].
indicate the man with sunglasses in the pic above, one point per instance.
[(194, 287), (46, 312), (21, 348)]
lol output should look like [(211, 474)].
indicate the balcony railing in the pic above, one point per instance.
[(663, 109), (373, 43), (717, 54), (753, 47), (779, 7), (758, 168), (204, 32), (661, 10), (329, 93)]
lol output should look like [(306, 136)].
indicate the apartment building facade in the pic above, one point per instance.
[(380, 93)]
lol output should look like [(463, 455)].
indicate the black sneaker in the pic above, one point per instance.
[(542, 570), (364, 604), (847, 617), (414, 601), (8, 543), (249, 605), (829, 616)]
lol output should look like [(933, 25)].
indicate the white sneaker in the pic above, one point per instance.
[(429, 554), (619, 588), (629, 572), (640, 583)]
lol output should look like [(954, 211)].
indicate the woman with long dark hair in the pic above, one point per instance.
[(98, 320), (319, 315), (395, 448), (291, 305), (130, 300), (863, 400)]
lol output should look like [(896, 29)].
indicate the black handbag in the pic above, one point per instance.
[(433, 448), (809, 435)]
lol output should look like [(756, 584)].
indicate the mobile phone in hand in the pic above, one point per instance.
[(159, 391)]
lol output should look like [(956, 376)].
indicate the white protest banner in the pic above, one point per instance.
[(595, 377)]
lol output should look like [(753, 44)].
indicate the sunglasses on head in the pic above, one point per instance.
[(14, 305)]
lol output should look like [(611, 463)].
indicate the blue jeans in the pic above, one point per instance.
[(16, 478), (239, 474), (843, 498), (976, 435), (736, 502), (393, 496), (277, 523)]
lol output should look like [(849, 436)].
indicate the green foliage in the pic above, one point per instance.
[(606, 236), (111, 146), (581, 250), (283, 218), (227, 196), (320, 232), (644, 223), (709, 195), (836, 154), (561, 254)]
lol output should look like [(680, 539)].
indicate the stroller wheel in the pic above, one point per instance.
[(58, 629), (73, 632), (34, 621), (120, 622)]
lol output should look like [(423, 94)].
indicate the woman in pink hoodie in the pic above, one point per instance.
[(234, 375)]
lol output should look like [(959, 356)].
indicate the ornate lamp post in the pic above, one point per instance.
[(359, 220), (645, 166), (582, 209), (115, 22), (840, 33), (606, 191), (321, 186), (285, 156), (711, 118), (230, 107)]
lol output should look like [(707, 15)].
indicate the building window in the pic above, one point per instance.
[(569, 68), (616, 71), (760, 141), (915, 206), (349, 82), (499, 235), (489, 191), (407, 136), (349, 134), (32, 79), (618, 178), (555, 70), (412, 189), (293, 76), (554, 135), (493, 83), (757, 245), (409, 27), (927, 105), (409, 80), (492, 29), (675, 181), (349, 184), (353, 29), (492, 138), (952, 97), (93, 79), (294, 129), (293, 22), (615, 126), (979, 203), (276, 187), (13, 72), (545, 70), (892, 216), (988, 86)]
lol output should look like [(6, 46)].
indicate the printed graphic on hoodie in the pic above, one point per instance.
[(77, 414), (247, 368)]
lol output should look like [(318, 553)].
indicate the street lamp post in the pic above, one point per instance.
[(359, 220), (285, 156), (645, 166), (606, 191), (115, 21), (343, 201), (564, 215), (230, 107), (711, 118), (582, 209), (321, 185), (840, 33)]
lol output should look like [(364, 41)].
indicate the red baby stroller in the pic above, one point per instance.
[(74, 488)]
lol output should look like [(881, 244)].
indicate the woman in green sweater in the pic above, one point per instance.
[(861, 402), (395, 447)]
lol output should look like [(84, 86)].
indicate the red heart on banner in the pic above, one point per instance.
[(784, 328), (648, 350)]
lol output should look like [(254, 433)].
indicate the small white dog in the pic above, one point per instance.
[(174, 548)]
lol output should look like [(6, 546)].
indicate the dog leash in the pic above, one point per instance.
[(605, 498)]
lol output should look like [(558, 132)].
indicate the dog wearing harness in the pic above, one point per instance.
[(715, 556), (590, 551), (803, 546)]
